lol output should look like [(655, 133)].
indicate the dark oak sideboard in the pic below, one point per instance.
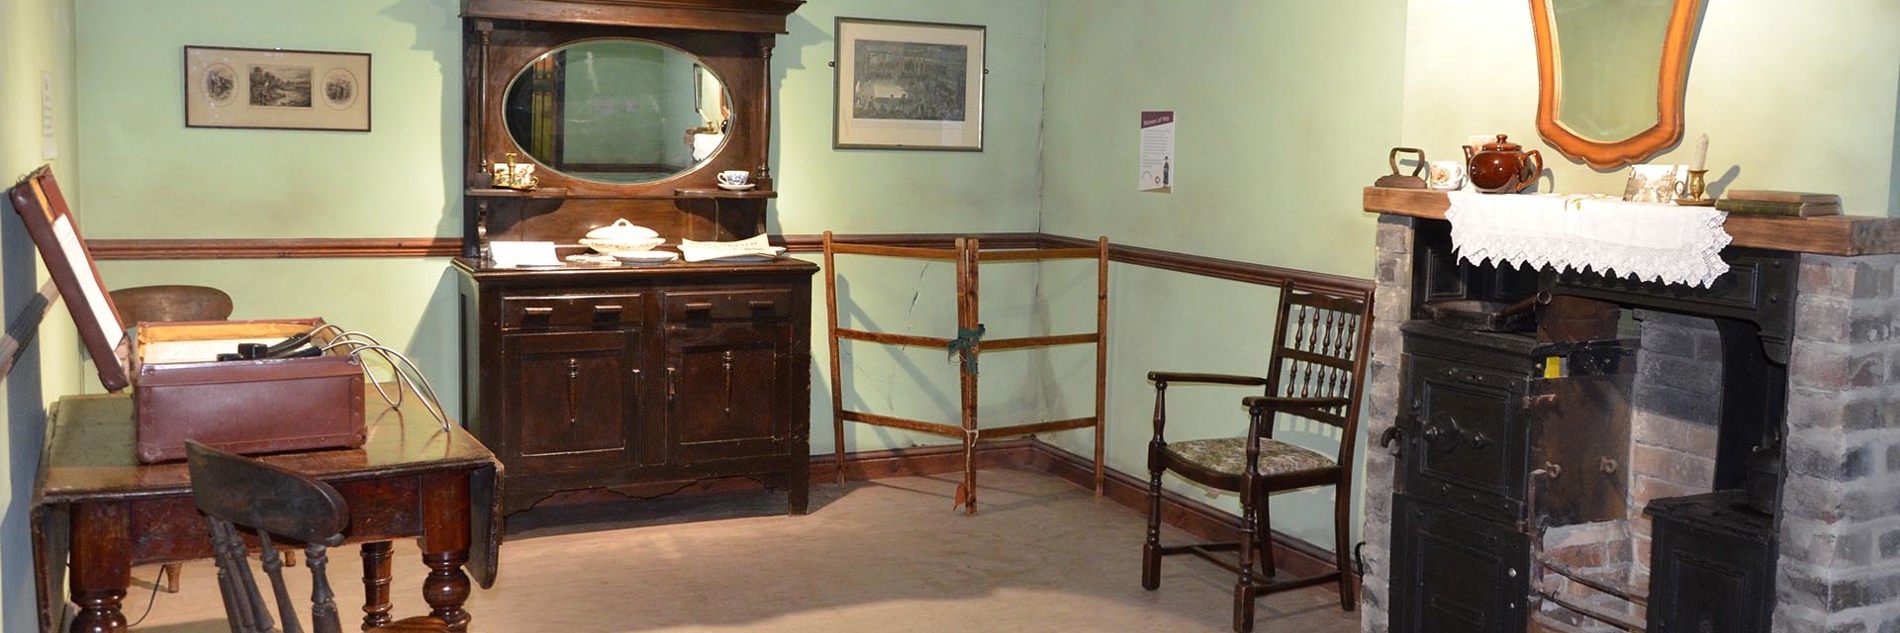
[(640, 380)]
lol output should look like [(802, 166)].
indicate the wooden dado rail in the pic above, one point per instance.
[(320, 248)]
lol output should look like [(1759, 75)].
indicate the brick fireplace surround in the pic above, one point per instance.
[(1839, 525)]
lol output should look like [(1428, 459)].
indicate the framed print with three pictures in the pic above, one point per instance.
[(277, 89)]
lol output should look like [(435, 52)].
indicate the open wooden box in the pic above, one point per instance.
[(182, 392)]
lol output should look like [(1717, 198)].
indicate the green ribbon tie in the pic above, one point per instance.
[(965, 344)]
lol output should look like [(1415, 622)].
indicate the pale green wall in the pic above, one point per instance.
[(169, 181), (874, 191), (160, 179), (1284, 111), (871, 191), (35, 37), (1792, 95)]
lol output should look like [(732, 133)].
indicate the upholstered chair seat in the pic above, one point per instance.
[(1228, 456)]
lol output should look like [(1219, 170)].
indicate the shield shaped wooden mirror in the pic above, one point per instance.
[(1611, 75)]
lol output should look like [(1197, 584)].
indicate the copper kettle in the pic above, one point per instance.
[(1502, 167)]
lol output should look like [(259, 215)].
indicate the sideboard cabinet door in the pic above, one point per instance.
[(571, 399), (728, 385)]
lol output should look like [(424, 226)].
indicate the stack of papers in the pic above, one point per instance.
[(753, 248), (510, 254)]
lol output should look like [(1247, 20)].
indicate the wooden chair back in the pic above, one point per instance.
[(235, 491), (1319, 351)]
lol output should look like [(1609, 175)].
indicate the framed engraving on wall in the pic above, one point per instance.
[(908, 85), (278, 89)]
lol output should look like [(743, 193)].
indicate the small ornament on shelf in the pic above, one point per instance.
[(513, 175)]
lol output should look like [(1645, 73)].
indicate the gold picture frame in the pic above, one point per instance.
[(908, 85), (276, 89)]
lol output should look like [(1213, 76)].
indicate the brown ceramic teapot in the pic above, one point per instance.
[(1502, 167)]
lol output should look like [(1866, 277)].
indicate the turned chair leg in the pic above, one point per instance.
[(1342, 547), (1263, 535), (1151, 550), (1249, 555)]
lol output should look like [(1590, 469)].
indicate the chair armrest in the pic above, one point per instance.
[(1261, 404), (1164, 377)]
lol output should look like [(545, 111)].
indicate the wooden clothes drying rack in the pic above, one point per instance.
[(968, 345)]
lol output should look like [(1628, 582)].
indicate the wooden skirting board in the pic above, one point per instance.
[(1292, 555)]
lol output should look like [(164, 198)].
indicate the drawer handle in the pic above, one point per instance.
[(534, 311), (762, 304), (602, 309), (699, 306)]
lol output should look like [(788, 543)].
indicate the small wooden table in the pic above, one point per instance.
[(94, 501)]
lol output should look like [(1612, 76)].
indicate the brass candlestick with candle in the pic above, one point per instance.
[(1694, 190)]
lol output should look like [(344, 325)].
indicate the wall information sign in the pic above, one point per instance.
[(1157, 151)]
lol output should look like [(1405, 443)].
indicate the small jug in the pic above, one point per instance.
[(1502, 167)]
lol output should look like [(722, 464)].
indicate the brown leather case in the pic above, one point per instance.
[(246, 406)]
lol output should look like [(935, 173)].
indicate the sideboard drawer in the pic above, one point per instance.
[(728, 304), (569, 311)]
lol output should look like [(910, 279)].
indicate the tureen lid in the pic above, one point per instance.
[(621, 229)]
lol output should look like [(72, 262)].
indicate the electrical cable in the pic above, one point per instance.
[(151, 601), (406, 373)]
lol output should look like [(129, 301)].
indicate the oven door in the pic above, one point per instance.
[(1465, 437), (1580, 443)]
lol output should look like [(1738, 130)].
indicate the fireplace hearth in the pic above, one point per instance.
[(1792, 345)]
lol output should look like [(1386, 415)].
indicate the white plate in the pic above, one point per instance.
[(591, 259), (737, 187), (645, 257)]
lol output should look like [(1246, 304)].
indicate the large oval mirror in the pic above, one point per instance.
[(1612, 74), (617, 111)]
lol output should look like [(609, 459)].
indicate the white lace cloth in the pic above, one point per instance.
[(1654, 242)]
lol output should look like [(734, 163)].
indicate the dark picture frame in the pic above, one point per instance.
[(276, 89), (908, 85)]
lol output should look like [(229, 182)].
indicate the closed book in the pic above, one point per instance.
[(1770, 195), (1791, 209)]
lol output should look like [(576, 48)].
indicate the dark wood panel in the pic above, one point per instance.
[(574, 402), (727, 389), (761, 16)]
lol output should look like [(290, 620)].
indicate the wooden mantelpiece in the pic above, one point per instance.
[(1846, 235)]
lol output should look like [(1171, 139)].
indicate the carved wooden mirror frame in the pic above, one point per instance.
[(1674, 67)]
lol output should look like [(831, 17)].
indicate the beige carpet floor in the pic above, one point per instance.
[(887, 555)]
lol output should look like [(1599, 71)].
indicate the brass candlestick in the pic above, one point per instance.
[(1694, 189)]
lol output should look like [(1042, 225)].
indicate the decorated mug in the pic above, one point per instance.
[(1445, 175)]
